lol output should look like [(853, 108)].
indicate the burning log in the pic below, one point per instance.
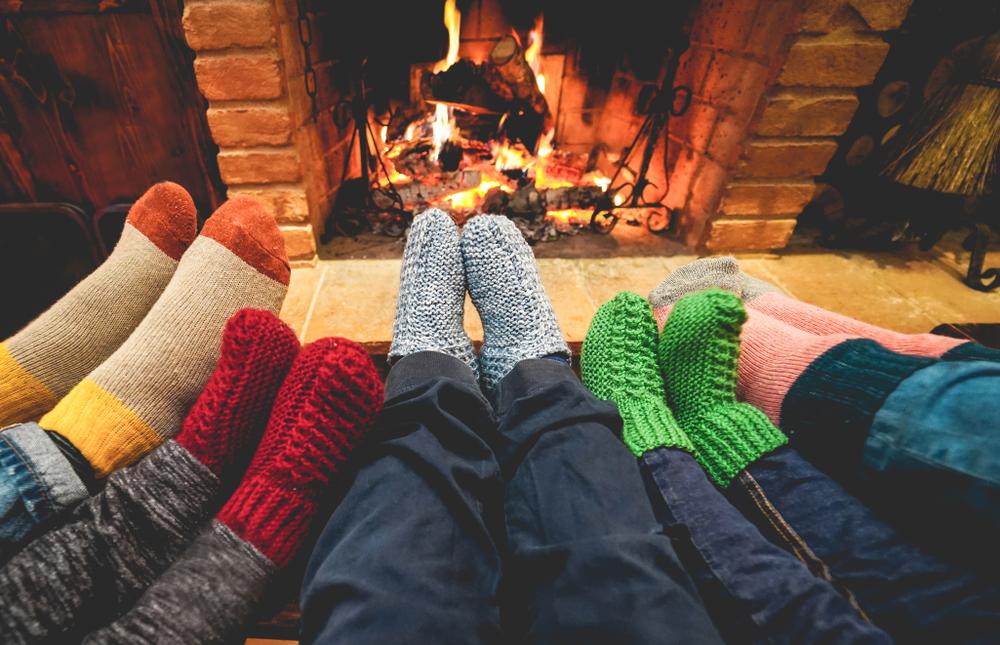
[(530, 201), (416, 193), (477, 89), (509, 60)]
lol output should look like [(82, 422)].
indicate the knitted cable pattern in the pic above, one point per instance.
[(618, 363), (324, 409), (699, 355), (518, 319), (229, 416), (431, 303)]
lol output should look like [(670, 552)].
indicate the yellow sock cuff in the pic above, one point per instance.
[(102, 428), (23, 398)]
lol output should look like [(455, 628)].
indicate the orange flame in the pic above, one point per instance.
[(444, 118), (474, 197), (453, 21), (533, 54)]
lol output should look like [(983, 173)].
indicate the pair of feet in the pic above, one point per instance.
[(490, 260), (307, 409), (116, 363), (678, 389)]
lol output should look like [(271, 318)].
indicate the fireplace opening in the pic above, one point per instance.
[(552, 114)]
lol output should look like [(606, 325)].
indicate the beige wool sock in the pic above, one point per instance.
[(139, 396), (41, 363)]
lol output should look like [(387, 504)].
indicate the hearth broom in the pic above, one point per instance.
[(950, 145)]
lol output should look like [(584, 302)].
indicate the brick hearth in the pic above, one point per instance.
[(908, 291)]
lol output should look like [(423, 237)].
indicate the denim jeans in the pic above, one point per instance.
[(935, 444), (37, 483), (528, 525), (913, 438), (755, 591), (912, 595)]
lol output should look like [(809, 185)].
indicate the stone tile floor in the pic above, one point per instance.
[(905, 290)]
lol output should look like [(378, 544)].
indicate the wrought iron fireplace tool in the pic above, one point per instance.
[(658, 104), (351, 220)]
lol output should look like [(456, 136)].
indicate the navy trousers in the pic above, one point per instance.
[(524, 519)]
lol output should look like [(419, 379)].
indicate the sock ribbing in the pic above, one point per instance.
[(814, 320), (773, 356), (618, 363), (44, 361), (324, 409), (699, 352), (140, 395)]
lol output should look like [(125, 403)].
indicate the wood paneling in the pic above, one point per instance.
[(97, 107)]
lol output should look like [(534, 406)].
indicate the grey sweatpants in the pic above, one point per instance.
[(90, 571)]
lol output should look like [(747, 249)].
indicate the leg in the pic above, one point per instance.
[(587, 563), (754, 591), (913, 596), (411, 554), (139, 396), (325, 408), (40, 364), (586, 550), (38, 484), (85, 573)]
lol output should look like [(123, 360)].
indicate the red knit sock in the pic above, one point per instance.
[(324, 408), (773, 355), (229, 416), (812, 319)]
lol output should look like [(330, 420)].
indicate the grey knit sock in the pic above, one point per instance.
[(518, 320), (755, 288), (697, 276), (431, 303)]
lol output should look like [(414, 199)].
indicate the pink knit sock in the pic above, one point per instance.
[(772, 358), (812, 319)]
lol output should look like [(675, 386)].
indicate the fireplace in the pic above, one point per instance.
[(772, 83)]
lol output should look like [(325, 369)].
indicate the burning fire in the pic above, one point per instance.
[(547, 169)]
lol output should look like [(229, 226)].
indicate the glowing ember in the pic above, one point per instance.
[(508, 157), (474, 198), (603, 182), (571, 216)]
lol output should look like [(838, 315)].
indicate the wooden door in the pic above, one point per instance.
[(98, 101)]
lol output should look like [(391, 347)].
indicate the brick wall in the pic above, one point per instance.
[(244, 70), (797, 65)]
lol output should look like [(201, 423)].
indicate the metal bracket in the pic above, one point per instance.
[(979, 240)]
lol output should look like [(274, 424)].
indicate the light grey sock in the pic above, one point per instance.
[(699, 275), (431, 303), (755, 288), (518, 319)]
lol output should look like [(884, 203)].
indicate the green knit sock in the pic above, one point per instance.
[(699, 354), (618, 364)]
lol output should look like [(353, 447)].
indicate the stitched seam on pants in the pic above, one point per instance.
[(796, 543)]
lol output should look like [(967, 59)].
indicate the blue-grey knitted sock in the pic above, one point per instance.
[(431, 303), (518, 320)]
